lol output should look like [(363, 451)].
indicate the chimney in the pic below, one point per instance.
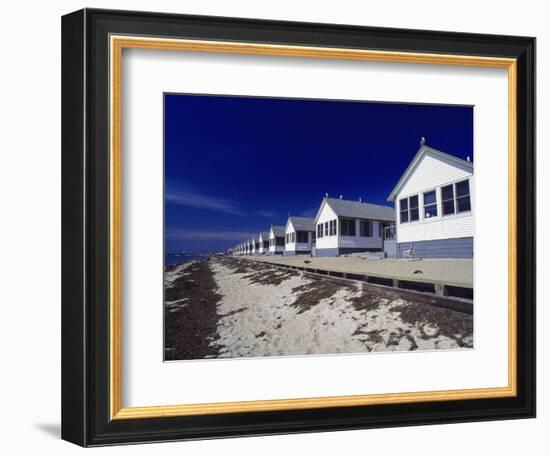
[(326, 195), (422, 141), (341, 196), (360, 200), (468, 158)]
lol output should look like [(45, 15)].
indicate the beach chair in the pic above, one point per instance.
[(409, 253)]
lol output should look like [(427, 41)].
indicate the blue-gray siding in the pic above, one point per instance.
[(440, 248), (297, 252), (342, 251), (390, 248), (326, 252)]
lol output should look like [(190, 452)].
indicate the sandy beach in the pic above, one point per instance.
[(229, 308)]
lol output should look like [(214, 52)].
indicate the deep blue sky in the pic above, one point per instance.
[(236, 165)]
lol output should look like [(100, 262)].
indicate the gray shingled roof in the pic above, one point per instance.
[(302, 223), (278, 231), (355, 209), (264, 235)]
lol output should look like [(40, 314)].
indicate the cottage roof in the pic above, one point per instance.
[(422, 151), (278, 231), (356, 209), (302, 223), (264, 235)]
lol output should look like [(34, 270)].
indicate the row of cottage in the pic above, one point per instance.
[(433, 218)]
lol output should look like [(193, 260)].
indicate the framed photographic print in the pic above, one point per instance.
[(276, 227)]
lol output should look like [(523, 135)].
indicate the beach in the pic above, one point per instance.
[(228, 307)]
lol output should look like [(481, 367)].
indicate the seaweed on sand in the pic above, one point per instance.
[(270, 276), (455, 325), (189, 329), (311, 294)]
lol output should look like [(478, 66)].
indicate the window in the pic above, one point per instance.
[(447, 200), (365, 228), (347, 227), (302, 237), (430, 205), (326, 228), (266, 244), (463, 196), (332, 227), (320, 230), (413, 208), (280, 241), (404, 210), (408, 209), (455, 198)]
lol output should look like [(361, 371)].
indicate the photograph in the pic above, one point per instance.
[(272, 226), (298, 227)]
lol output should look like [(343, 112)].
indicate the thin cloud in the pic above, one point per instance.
[(202, 235), (212, 203), (265, 214)]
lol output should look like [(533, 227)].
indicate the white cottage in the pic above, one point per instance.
[(254, 245), (263, 243), (276, 240), (299, 236), (434, 206), (344, 226)]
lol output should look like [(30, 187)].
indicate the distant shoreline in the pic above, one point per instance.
[(171, 261)]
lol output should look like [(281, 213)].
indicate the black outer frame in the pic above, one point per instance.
[(85, 225)]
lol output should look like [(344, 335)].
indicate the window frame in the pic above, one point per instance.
[(349, 222), (469, 196), (443, 201), (401, 210), (434, 204), (369, 231), (409, 210)]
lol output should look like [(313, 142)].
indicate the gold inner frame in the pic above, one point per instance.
[(117, 44)]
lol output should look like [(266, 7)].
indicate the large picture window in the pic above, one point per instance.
[(347, 227), (430, 205), (365, 228)]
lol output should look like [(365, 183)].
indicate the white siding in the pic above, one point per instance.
[(261, 249), (289, 246), (432, 173), (275, 248), (296, 246), (326, 242)]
